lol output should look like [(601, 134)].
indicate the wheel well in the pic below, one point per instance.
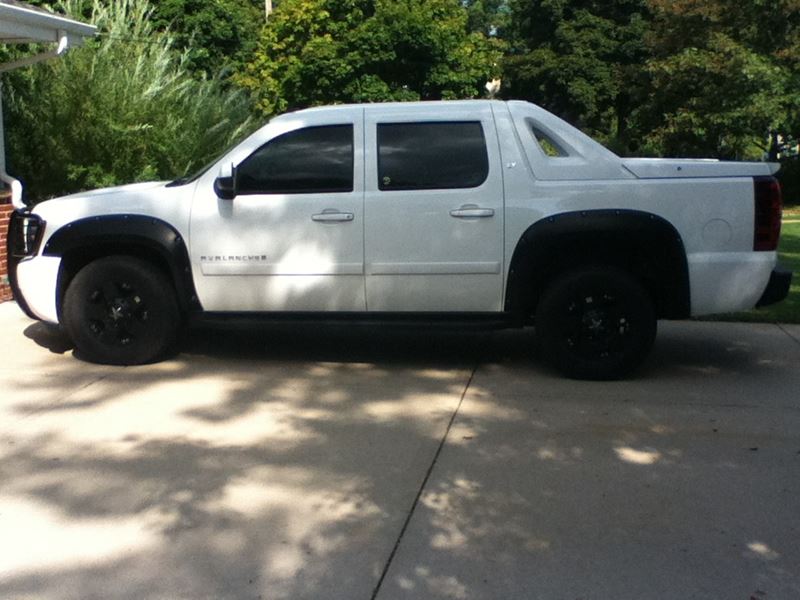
[(156, 241), (77, 258), (644, 245)]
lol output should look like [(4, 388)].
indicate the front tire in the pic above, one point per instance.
[(596, 323), (121, 310)]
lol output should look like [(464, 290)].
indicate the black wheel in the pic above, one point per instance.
[(121, 310), (595, 323)]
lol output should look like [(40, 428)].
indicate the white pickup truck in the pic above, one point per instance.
[(481, 210)]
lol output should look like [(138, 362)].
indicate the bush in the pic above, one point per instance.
[(121, 109)]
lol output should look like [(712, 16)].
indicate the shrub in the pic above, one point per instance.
[(122, 108)]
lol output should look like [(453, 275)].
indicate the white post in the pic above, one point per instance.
[(2, 132), (267, 7), (16, 186)]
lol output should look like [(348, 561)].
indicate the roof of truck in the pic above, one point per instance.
[(388, 106)]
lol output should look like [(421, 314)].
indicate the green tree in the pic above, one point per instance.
[(721, 100), (488, 16), (322, 51), (122, 108), (215, 34), (580, 59), (723, 77)]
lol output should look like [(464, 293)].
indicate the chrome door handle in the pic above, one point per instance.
[(471, 211), (332, 216)]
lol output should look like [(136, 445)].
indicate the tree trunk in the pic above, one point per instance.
[(774, 146)]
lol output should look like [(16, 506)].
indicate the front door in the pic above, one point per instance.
[(292, 238)]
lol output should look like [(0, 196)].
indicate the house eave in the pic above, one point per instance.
[(19, 24)]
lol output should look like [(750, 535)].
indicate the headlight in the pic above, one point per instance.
[(24, 234)]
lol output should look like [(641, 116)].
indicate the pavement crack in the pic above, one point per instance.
[(791, 337), (424, 484), (63, 399)]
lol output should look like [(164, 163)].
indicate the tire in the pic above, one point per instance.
[(595, 323), (121, 310)]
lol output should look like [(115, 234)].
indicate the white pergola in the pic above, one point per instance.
[(22, 24)]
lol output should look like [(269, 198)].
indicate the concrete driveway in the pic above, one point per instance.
[(340, 462)]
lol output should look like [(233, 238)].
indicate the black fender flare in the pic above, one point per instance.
[(638, 239), (93, 237)]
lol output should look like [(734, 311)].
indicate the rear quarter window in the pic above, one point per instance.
[(550, 147)]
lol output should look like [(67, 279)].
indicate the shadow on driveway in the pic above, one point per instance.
[(282, 463)]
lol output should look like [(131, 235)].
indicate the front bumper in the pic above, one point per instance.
[(777, 289), (33, 278)]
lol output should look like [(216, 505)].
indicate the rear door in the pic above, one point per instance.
[(433, 209)]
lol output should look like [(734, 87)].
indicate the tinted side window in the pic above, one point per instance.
[(549, 146), (310, 160), (429, 156)]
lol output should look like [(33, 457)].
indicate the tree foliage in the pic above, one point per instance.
[(676, 77), (214, 35), (154, 95), (488, 16), (321, 51), (722, 77), (116, 111), (580, 59)]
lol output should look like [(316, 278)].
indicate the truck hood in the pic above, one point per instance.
[(660, 168), (120, 189), (150, 198)]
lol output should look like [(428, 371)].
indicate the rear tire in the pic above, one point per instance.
[(121, 310), (595, 323)]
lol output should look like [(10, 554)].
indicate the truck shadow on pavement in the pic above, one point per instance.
[(674, 351), (49, 336)]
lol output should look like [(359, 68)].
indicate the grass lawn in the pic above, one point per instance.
[(787, 311)]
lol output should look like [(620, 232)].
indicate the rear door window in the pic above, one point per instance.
[(431, 156)]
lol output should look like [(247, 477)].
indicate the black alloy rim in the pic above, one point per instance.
[(597, 325), (116, 313)]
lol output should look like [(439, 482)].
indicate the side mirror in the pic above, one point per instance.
[(225, 186)]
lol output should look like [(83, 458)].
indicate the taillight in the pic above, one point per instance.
[(769, 210)]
